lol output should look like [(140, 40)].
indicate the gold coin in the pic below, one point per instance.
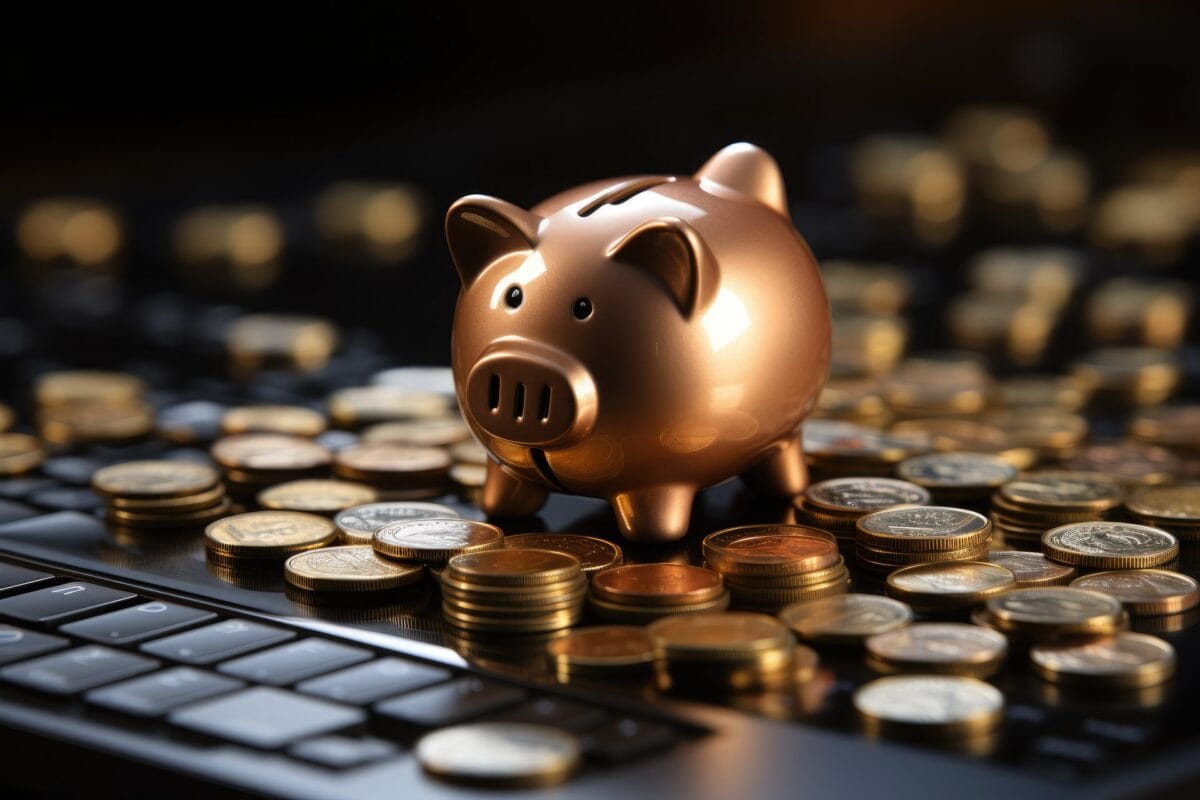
[(386, 462), (928, 706), (845, 618), (269, 451), (957, 472), (948, 585), (1145, 591), (1171, 504), (938, 647), (730, 635), (799, 580), (432, 432), (1176, 427), (773, 597), (1053, 612), (901, 558), (657, 585), (469, 476), (1032, 569), (864, 495), (502, 754), (288, 420), (923, 529), (88, 386), (320, 496), (78, 423), (469, 451), (268, 534), (510, 622), (831, 441), (172, 518), (594, 554), (769, 550), (154, 480), (19, 453), (467, 603), (626, 613), (1062, 491), (1039, 391), (363, 405), (358, 524), (1128, 463), (435, 540), (348, 568), (167, 505), (524, 567), (601, 648), (1109, 545), (7, 417), (1122, 661)]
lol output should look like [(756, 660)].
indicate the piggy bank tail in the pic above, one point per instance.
[(749, 170)]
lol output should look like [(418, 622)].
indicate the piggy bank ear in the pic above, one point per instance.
[(749, 170), (671, 250), (480, 229)]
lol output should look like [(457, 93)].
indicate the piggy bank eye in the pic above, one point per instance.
[(582, 308), (513, 296)]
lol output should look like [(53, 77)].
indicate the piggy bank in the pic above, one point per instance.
[(639, 339)]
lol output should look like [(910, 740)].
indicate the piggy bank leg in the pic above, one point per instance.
[(506, 495), (781, 472), (656, 514)]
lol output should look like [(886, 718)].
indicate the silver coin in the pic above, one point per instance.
[(936, 700), (865, 494), (1111, 539), (949, 642), (360, 522), (924, 521), (1053, 605), (500, 753), (957, 470)]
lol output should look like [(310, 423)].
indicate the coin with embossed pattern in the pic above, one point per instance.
[(658, 585), (594, 554), (268, 534), (1145, 591), (948, 585), (601, 649), (318, 495), (1062, 491), (435, 540), (1053, 612), (952, 648), (957, 473), (1122, 661), (358, 524), (269, 451), (154, 479), (928, 706), (845, 618), (924, 528), (1109, 545), (1173, 504), (863, 495), (1032, 569), (348, 568), (769, 550)]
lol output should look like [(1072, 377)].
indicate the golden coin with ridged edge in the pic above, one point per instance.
[(348, 568), (657, 584), (743, 551), (1122, 661), (928, 707), (523, 567), (268, 534), (952, 648), (1032, 569), (435, 540), (594, 554), (948, 585), (316, 495), (1145, 591), (1053, 612), (154, 480), (845, 618), (924, 529), (602, 648), (19, 453), (1109, 545)]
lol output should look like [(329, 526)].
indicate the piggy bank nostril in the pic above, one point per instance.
[(494, 392), (544, 405), (519, 402)]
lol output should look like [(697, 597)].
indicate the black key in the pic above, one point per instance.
[(627, 738), (450, 703), (137, 623), (217, 641), (74, 470), (267, 717), (295, 661), (155, 695), (1073, 750), (384, 677), (1117, 732), (77, 670), (66, 498), (556, 711), (18, 643), (18, 488), (341, 752), (14, 578), (62, 602), (11, 512)]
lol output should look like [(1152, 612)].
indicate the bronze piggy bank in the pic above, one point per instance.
[(639, 339)]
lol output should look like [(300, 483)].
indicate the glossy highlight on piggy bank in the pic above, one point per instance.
[(639, 339)]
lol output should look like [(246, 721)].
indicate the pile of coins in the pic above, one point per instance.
[(89, 406), (161, 494), (836, 505), (1024, 509), (513, 591), (958, 478), (951, 648), (636, 594), (900, 537), (732, 651), (255, 461), (768, 566), (357, 525), (1174, 508)]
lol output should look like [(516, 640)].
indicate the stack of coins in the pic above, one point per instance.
[(594, 554), (513, 591), (1024, 509), (435, 540), (86, 406), (265, 538), (948, 587), (845, 620), (316, 495), (288, 420), (837, 449), (899, 537), (950, 709), (958, 478), (398, 471), (1175, 509), (346, 570), (639, 593), (358, 524), (1128, 376), (1108, 545), (1032, 569), (949, 648), (722, 652), (768, 566), (1124, 661), (602, 652), (836, 505), (161, 494), (254, 461), (20, 453), (1052, 613)]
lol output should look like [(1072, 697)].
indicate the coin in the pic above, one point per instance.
[(320, 496), (154, 479), (1145, 591), (289, 420), (957, 474), (1177, 503), (938, 647), (509, 622), (504, 754), (171, 518), (601, 649), (469, 451), (87, 386), (167, 505), (358, 524), (594, 554), (79, 423), (863, 495), (1128, 463), (1053, 612), (629, 614), (657, 584), (1122, 661), (726, 635), (435, 540), (383, 462), (363, 405), (1174, 427), (524, 567), (949, 585), (846, 618), (1062, 491), (799, 579), (1032, 569), (928, 706), (759, 550), (19, 453), (771, 598), (269, 451), (268, 534), (1109, 545), (924, 529), (347, 568), (431, 432), (6, 417)]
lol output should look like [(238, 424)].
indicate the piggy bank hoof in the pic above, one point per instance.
[(657, 514), (505, 495)]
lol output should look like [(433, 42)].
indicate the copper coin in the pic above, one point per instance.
[(602, 647), (752, 549), (522, 567), (595, 554), (863, 495), (657, 584), (391, 462)]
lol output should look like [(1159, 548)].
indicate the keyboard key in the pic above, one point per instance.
[(450, 703), (18, 643), (342, 752), (384, 677), (218, 641), (77, 670), (627, 738), (1122, 733), (295, 661), (155, 695), (14, 578), (139, 622), (556, 711), (13, 512), (65, 498), (62, 602), (266, 717)]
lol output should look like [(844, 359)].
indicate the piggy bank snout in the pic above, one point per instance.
[(531, 395)]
